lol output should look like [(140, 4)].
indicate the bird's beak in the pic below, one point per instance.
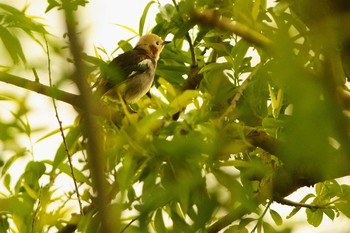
[(166, 42)]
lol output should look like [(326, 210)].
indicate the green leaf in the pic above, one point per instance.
[(127, 28), (65, 168), (296, 209), (256, 9), (7, 181), (33, 171), (180, 224), (267, 228), (13, 18), (4, 224), (343, 207), (12, 45), (276, 217), (330, 213), (239, 52), (15, 204), (314, 217), (143, 17), (159, 222), (222, 48), (88, 223), (125, 45), (319, 188), (216, 66), (53, 132), (183, 100), (8, 164), (51, 4), (280, 7), (236, 229), (167, 12)]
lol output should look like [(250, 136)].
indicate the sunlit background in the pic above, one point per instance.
[(103, 24)]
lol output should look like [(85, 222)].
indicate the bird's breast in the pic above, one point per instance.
[(139, 85)]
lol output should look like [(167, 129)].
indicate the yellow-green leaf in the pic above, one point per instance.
[(143, 17), (276, 217)]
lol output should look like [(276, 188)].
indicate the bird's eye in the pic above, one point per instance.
[(157, 43)]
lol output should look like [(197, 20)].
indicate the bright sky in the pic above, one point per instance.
[(99, 21)]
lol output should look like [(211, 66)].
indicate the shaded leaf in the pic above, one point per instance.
[(314, 217), (7, 182), (12, 45), (344, 207), (236, 229), (215, 66), (330, 213), (276, 217), (4, 224), (159, 222)]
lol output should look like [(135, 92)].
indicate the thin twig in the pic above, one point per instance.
[(239, 94), (188, 38), (129, 224), (36, 211), (262, 215), (61, 128), (284, 201)]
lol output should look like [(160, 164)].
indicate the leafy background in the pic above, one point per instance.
[(241, 115)]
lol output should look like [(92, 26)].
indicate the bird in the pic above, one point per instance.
[(130, 75)]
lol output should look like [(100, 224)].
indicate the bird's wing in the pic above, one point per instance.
[(128, 63), (124, 66)]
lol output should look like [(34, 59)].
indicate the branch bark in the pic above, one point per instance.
[(92, 129), (48, 91), (211, 19)]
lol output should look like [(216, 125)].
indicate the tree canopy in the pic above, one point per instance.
[(250, 103)]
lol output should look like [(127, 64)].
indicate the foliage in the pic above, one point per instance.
[(249, 104)]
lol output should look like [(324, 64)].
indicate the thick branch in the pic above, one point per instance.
[(52, 92), (261, 139), (211, 19), (92, 130), (66, 97)]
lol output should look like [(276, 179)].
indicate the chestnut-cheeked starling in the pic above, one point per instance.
[(130, 75)]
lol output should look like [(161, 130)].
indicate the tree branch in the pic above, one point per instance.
[(261, 139), (284, 201), (211, 19), (92, 130), (52, 92)]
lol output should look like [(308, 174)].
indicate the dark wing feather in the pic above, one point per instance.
[(120, 68)]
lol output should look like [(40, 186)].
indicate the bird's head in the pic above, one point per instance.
[(152, 44)]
